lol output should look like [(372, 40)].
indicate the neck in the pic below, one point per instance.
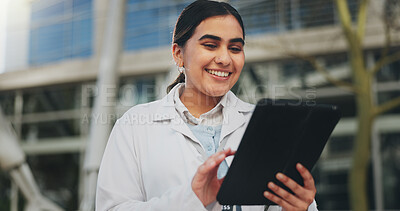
[(198, 103)]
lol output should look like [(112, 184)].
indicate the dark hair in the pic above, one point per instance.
[(191, 17)]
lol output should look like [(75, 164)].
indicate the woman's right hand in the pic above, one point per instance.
[(205, 183)]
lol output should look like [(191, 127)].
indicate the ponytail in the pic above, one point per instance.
[(179, 79)]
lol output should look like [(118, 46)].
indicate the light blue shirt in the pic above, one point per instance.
[(209, 137)]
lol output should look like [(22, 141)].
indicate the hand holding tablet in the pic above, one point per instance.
[(280, 134), (302, 196)]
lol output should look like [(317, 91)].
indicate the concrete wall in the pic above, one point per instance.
[(17, 42), (3, 32)]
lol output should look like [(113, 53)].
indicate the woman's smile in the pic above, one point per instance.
[(219, 74)]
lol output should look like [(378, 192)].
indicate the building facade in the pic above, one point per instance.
[(52, 52)]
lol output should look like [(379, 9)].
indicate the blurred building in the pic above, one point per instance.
[(51, 58)]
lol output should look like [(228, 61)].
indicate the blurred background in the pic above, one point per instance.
[(50, 52)]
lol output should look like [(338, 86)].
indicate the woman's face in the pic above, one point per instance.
[(213, 57)]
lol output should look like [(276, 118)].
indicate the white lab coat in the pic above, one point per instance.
[(152, 156)]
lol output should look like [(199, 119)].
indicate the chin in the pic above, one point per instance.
[(217, 92)]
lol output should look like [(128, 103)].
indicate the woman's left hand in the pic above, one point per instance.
[(303, 195)]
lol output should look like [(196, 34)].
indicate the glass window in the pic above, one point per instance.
[(7, 100), (252, 85), (340, 145), (33, 131), (51, 99), (57, 177), (353, 8), (339, 67), (304, 74), (390, 151), (339, 64), (150, 23), (261, 16), (332, 186), (316, 13), (5, 191), (386, 97), (336, 60), (389, 72), (294, 70), (60, 29), (136, 91), (332, 189), (51, 112)]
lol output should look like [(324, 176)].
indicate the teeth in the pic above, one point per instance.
[(218, 73)]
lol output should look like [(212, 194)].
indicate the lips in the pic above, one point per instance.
[(218, 73)]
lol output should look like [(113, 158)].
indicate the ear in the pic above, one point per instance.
[(177, 53)]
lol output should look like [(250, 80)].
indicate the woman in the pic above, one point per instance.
[(171, 154)]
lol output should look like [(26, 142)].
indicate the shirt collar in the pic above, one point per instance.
[(212, 117), (166, 110)]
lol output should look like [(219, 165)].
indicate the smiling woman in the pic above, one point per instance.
[(172, 154), (213, 59)]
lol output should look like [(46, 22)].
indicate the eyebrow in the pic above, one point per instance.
[(213, 37)]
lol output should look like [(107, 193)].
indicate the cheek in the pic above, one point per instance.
[(239, 62), (198, 61)]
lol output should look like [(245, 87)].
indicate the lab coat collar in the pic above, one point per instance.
[(233, 110), (232, 106)]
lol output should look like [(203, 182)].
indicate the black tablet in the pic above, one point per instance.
[(280, 134)]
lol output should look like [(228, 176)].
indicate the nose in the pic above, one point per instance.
[(223, 57)]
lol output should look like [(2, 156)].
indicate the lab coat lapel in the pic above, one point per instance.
[(167, 112), (184, 129), (233, 114), (234, 118), (180, 126), (232, 121)]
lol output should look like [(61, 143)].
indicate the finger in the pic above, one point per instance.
[(307, 177), (214, 161), (225, 152), (232, 151), (279, 201), (208, 165), (228, 152), (221, 155), (302, 193), (291, 184), (221, 180), (285, 195), (205, 168)]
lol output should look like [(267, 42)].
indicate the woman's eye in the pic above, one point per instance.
[(210, 45), (235, 49)]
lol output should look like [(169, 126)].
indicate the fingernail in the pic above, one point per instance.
[(221, 156), (271, 185), (266, 193), (300, 166), (279, 176)]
